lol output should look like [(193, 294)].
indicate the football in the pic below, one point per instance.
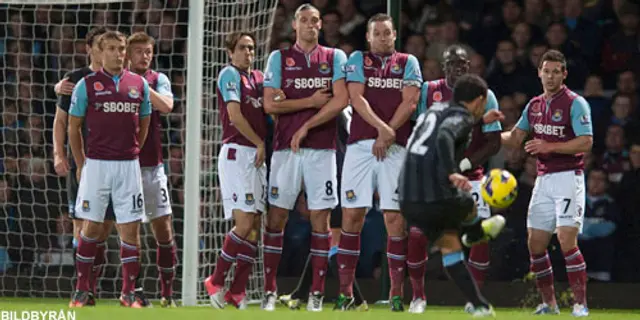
[(499, 188)]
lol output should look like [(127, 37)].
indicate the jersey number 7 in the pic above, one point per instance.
[(430, 122)]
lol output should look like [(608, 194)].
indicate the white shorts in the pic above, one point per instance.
[(316, 169), (243, 186), (363, 174), (483, 208), (557, 200), (156, 194), (119, 180)]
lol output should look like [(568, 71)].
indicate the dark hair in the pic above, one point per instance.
[(232, 39), (333, 12), (94, 34), (305, 7), (379, 17), (553, 56), (469, 87)]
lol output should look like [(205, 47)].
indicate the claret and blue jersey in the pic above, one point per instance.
[(299, 74), (384, 78), (112, 106), (563, 117)]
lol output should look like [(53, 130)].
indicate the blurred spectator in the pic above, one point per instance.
[(621, 51), (355, 24), (431, 70), (594, 94), (601, 217), (331, 36), (615, 159), (584, 33), (506, 76)]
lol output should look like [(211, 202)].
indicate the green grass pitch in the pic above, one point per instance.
[(110, 310)]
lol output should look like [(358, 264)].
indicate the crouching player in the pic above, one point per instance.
[(115, 105), (242, 169)]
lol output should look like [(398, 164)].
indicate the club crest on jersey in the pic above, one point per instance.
[(98, 86), (396, 69), (290, 62), (133, 93), (85, 206), (351, 196), (437, 96), (324, 68), (274, 193), (557, 116), (249, 199)]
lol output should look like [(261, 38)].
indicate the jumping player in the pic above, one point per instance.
[(154, 180), (242, 169), (560, 123), (435, 196), (115, 105), (67, 167), (384, 87), (485, 142), (311, 78)]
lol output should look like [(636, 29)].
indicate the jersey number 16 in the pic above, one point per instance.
[(429, 122)]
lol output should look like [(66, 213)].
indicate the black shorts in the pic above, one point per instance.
[(433, 218), (72, 194)]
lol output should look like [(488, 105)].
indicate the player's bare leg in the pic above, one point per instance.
[(454, 263), (130, 258), (348, 255), (238, 248), (576, 268), (417, 256), (320, 245), (162, 228), (396, 256), (538, 242), (272, 239)]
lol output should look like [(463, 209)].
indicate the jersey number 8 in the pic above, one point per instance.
[(430, 122)]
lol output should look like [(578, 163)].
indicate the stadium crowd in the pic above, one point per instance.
[(506, 37)]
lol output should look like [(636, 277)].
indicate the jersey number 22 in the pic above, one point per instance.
[(429, 122)]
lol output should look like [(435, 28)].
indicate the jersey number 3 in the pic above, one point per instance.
[(429, 122)]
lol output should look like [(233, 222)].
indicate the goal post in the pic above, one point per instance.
[(190, 248), (43, 40)]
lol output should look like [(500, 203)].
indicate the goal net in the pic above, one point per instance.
[(38, 45)]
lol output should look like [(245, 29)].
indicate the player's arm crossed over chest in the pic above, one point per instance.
[(491, 129), (162, 99), (274, 99)]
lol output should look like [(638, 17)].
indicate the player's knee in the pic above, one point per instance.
[(243, 223), (92, 230), (130, 233), (320, 220), (353, 219), (107, 227), (394, 222), (277, 218), (568, 238), (162, 229)]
